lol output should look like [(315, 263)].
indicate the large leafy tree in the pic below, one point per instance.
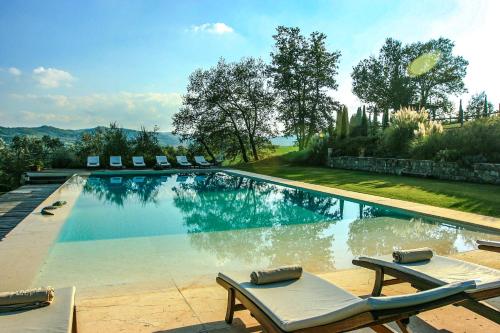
[(303, 72), (382, 80), (475, 107), (420, 74), (435, 71), (228, 108)]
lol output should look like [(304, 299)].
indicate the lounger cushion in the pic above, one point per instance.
[(55, 318), (306, 302), (311, 301), (441, 270)]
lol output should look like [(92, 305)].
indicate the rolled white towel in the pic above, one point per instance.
[(279, 274)]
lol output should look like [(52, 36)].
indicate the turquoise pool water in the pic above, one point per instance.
[(181, 229)]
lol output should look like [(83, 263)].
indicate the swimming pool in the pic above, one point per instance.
[(184, 228)]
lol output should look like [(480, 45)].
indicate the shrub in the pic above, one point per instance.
[(357, 146), (477, 141), (402, 130)]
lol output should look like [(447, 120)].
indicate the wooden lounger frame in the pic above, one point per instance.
[(373, 319), (472, 302)]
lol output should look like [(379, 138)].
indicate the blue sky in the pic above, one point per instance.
[(77, 64)]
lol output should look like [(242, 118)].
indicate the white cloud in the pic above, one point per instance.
[(52, 77), (213, 28), (14, 71), (129, 109)]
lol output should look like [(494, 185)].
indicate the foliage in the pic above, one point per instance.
[(24, 154), (402, 130), (356, 146), (476, 107), (364, 124), (476, 141), (385, 119), (146, 144), (355, 122), (228, 109), (382, 80), (415, 74), (344, 124), (461, 114), (303, 71)]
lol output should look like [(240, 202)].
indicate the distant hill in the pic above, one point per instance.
[(69, 136)]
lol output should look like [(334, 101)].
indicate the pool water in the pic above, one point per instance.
[(184, 228)]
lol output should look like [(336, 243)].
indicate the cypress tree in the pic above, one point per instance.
[(344, 126), (485, 107), (461, 114), (385, 119), (338, 123), (364, 123)]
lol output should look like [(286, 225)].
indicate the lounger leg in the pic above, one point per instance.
[(379, 282), (230, 305), (403, 325)]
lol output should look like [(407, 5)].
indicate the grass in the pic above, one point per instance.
[(468, 197)]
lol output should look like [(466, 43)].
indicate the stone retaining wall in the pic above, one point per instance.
[(479, 173)]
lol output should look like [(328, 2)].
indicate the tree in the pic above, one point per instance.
[(419, 74), (476, 107), (385, 119), (435, 71), (344, 123), (364, 123), (355, 123), (145, 143), (485, 107), (303, 70), (461, 114), (228, 109), (382, 80)]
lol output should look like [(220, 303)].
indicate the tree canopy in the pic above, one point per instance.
[(421, 74), (303, 71)]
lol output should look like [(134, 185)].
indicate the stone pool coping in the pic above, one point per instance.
[(25, 248)]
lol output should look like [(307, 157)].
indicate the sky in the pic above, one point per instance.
[(80, 64)]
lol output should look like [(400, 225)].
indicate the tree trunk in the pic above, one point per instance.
[(209, 152)]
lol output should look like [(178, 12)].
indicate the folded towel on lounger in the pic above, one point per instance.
[(284, 273), (24, 299), (413, 255)]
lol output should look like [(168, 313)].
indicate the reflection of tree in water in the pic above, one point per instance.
[(145, 190), (270, 223), (381, 235)]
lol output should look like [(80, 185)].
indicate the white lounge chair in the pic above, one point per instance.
[(138, 162), (59, 316), (311, 304), (201, 161), (115, 162), (93, 162), (162, 162), (183, 161)]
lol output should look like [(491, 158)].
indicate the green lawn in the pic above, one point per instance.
[(468, 197)]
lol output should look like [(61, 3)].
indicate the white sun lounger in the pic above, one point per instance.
[(93, 162), (115, 162), (138, 162), (58, 317), (201, 161), (438, 271), (311, 304), (183, 161), (162, 162)]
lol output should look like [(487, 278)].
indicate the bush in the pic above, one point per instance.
[(477, 141), (402, 130), (357, 146)]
